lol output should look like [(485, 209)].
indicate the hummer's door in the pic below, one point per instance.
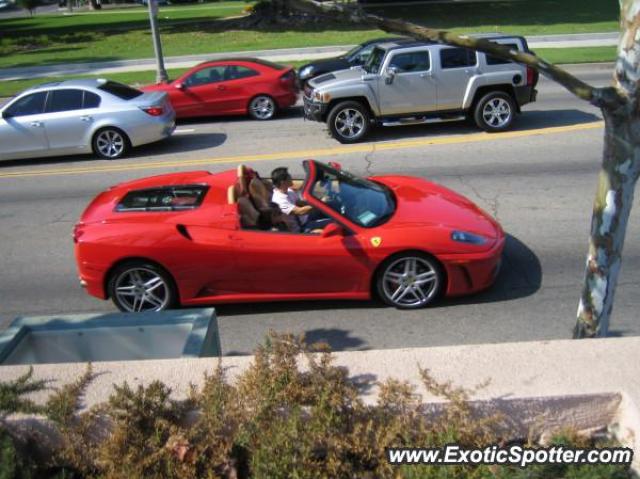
[(406, 85)]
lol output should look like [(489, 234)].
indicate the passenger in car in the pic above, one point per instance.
[(299, 216)]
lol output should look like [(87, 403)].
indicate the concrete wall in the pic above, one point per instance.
[(541, 386)]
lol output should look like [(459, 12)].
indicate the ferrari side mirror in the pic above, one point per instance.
[(332, 229)]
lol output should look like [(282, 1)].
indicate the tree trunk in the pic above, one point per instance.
[(618, 177)]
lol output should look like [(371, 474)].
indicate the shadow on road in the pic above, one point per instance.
[(520, 276), (175, 144), (285, 114), (180, 143), (336, 339), (529, 120), (241, 309)]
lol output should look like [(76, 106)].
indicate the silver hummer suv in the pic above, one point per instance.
[(412, 83)]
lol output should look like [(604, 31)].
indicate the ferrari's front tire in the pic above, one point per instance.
[(409, 280), (142, 287)]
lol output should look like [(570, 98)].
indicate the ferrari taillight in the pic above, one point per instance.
[(153, 110)]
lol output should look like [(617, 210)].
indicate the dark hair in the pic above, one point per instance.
[(280, 175)]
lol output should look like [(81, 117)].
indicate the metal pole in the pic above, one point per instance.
[(161, 73)]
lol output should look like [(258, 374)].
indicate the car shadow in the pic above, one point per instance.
[(336, 339), (180, 143), (174, 144), (284, 114), (241, 309), (520, 276), (531, 120)]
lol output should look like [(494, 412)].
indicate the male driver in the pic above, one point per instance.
[(299, 216)]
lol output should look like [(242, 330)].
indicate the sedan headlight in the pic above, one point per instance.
[(306, 72), (465, 237)]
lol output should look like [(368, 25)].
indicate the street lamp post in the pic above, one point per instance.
[(161, 73)]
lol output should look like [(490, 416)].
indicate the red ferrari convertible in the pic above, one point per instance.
[(237, 86), (199, 238)]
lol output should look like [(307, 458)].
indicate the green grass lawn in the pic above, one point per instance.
[(524, 17), (111, 35), (553, 55)]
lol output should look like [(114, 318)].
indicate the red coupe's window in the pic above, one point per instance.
[(206, 76), (234, 72), (168, 198)]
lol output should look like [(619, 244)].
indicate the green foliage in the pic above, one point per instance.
[(13, 464), (12, 393), (291, 414)]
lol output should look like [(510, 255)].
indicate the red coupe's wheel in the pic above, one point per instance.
[(141, 287), (409, 281), (262, 107)]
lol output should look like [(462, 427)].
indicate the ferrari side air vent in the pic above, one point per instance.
[(182, 229)]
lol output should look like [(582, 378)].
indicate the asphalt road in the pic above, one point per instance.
[(539, 181)]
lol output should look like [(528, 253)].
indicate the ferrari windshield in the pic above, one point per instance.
[(363, 202)]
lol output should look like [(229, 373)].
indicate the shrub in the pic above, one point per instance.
[(292, 414)]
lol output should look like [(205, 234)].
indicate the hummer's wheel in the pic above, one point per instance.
[(494, 112), (349, 121)]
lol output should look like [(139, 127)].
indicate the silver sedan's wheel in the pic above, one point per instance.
[(140, 288), (495, 112), (348, 122), (110, 143), (262, 107), (409, 281)]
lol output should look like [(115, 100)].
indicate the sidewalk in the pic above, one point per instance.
[(279, 55)]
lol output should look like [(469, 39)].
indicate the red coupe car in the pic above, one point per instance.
[(235, 86), (199, 238)]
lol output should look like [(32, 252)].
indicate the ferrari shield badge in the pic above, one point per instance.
[(376, 241)]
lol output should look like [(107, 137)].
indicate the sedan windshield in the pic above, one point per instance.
[(361, 201), (374, 62), (351, 53)]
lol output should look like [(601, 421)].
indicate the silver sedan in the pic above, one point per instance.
[(82, 116)]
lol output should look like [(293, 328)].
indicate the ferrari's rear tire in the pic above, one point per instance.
[(141, 287), (410, 280)]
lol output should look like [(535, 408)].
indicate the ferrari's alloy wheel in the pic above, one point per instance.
[(410, 281), (262, 107), (141, 288), (110, 143)]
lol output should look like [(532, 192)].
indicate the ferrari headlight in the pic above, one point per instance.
[(306, 72), (470, 238)]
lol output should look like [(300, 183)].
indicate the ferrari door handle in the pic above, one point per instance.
[(85, 118), (36, 124)]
